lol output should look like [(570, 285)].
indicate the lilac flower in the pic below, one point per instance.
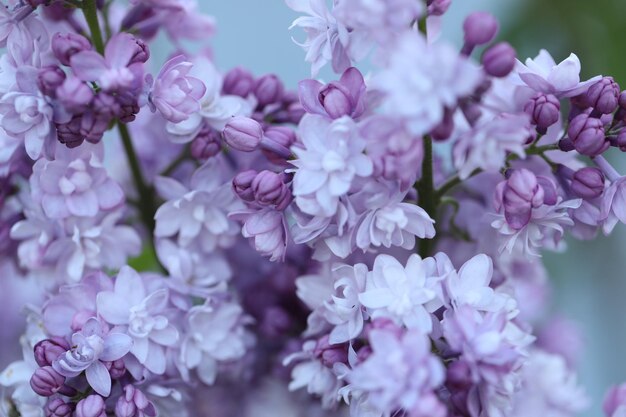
[(22, 34), (331, 158), (421, 80), (75, 184), (388, 221), (487, 145), (405, 294), (199, 213), (549, 388), (174, 93), (114, 71), (327, 40), (215, 334), (267, 228), (141, 314), (543, 75), (215, 109), (92, 345), (401, 373), (91, 406), (28, 116), (614, 404), (345, 97), (134, 404)]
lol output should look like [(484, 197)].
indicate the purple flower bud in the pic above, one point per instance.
[(622, 100), (480, 28), (243, 134), (69, 133), (438, 7), (75, 95), (587, 134), (57, 11), (128, 107), (283, 137), (275, 322), (336, 99), (603, 96), (117, 369), (49, 79), (518, 195), (238, 82), (142, 52), (206, 144), (268, 89), (620, 141), (331, 354), (588, 183), (133, 404), (615, 398), (544, 111), (499, 60), (106, 105), (47, 350), (92, 406), (46, 381), (93, 126), (242, 184), (459, 375), (444, 129), (56, 407), (270, 190), (66, 45)]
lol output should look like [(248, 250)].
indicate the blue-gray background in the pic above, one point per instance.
[(590, 282)]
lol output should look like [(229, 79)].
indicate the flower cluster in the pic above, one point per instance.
[(213, 243)]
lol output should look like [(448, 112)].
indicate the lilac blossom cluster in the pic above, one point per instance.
[(213, 243)]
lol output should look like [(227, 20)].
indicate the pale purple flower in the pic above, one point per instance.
[(28, 116), (549, 388), (331, 157), (140, 313), (345, 97), (487, 145), (544, 75), (422, 79), (113, 71), (75, 184), (174, 93), (91, 406), (199, 213), (614, 404), (22, 34), (401, 373), (267, 229), (215, 333), (215, 109), (405, 294), (133, 403), (327, 39), (387, 220), (92, 345)]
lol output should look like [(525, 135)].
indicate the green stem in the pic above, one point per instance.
[(146, 195), (90, 11), (426, 192)]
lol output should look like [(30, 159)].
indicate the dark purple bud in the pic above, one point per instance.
[(75, 95), (128, 107), (588, 183), (444, 129), (438, 7), (566, 145), (499, 60), (603, 96), (65, 45), (242, 184), (37, 3), (587, 135), (620, 141), (92, 406), (106, 105), (270, 190), (140, 20), (48, 350), (69, 133), (142, 52), (331, 354), (117, 369), (93, 126), (57, 11), (275, 322), (622, 100), (243, 134), (46, 381), (544, 111), (459, 375), (480, 28), (268, 89), (49, 79), (238, 82), (133, 403), (283, 137), (206, 144), (56, 407)]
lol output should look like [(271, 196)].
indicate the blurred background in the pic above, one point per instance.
[(590, 279)]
